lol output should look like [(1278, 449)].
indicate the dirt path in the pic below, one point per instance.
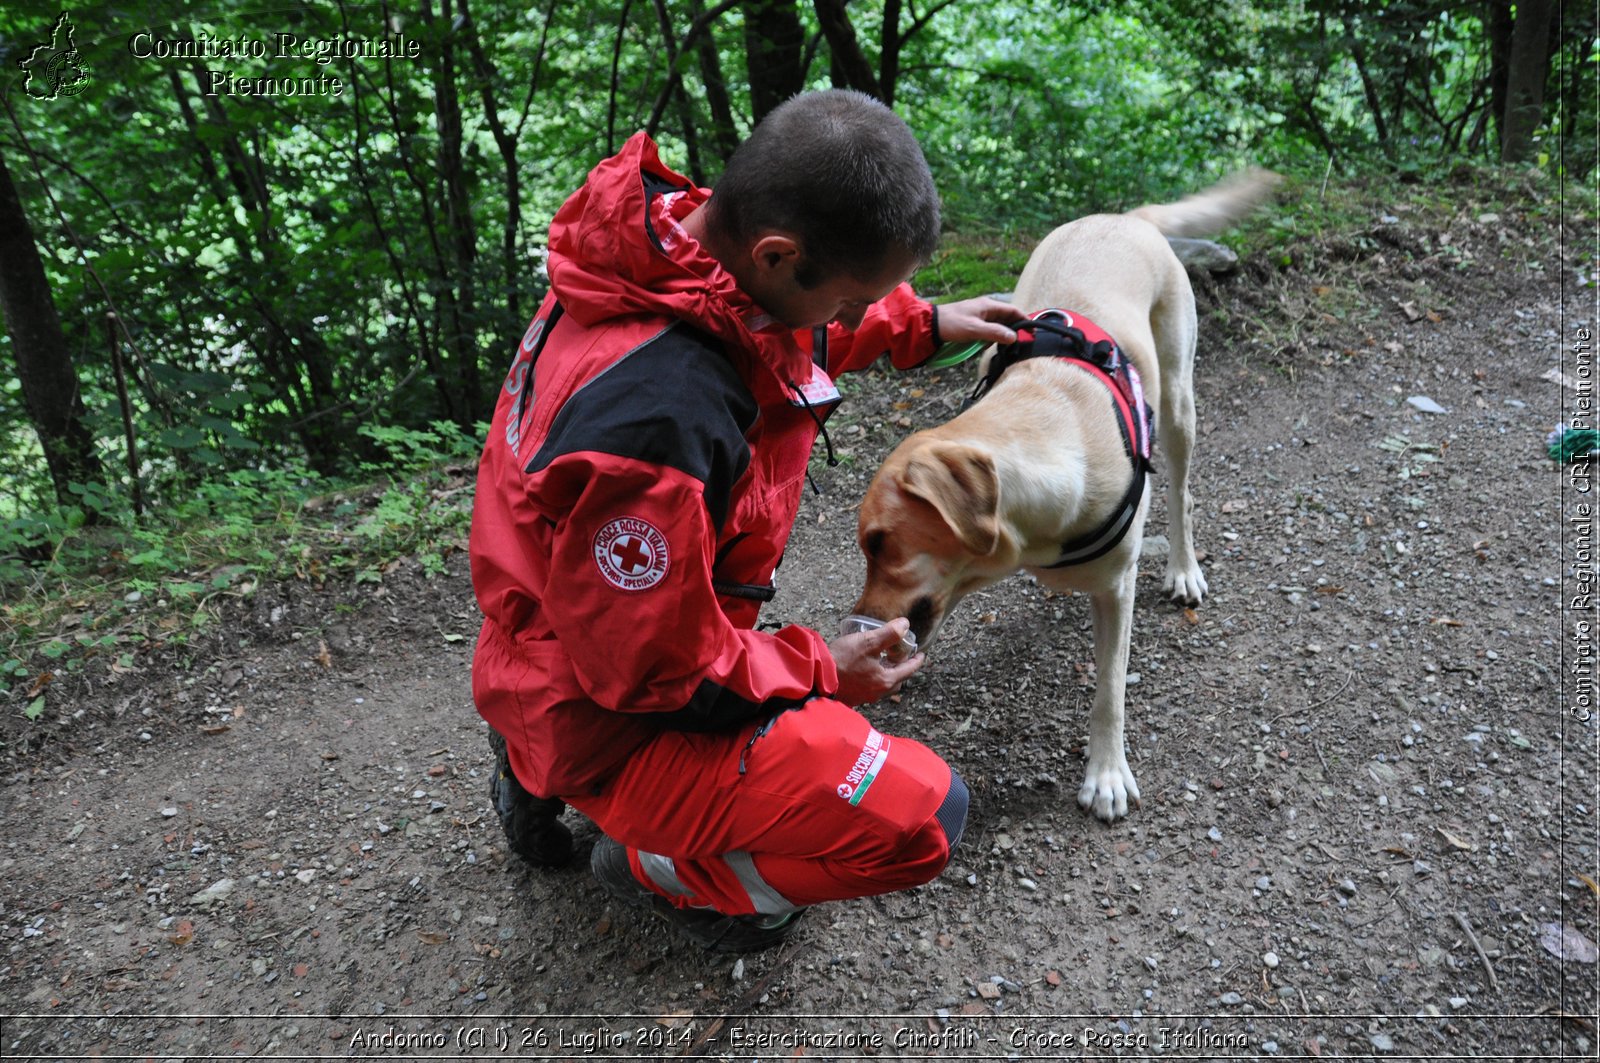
[(1362, 802)]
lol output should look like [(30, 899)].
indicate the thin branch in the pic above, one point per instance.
[(687, 41)]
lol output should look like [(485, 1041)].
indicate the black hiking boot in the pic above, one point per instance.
[(533, 826), (706, 927)]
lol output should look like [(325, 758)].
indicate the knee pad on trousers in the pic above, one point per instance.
[(952, 814)]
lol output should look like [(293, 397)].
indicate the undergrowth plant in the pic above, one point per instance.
[(74, 589)]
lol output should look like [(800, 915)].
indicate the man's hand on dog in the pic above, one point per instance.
[(865, 674), (982, 319)]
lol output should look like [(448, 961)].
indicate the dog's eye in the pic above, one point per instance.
[(873, 543)]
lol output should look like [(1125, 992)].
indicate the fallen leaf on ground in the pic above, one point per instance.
[(1566, 943)]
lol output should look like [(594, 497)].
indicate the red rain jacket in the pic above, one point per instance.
[(640, 480)]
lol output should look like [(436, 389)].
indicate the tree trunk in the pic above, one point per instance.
[(44, 365), (458, 292), (1369, 88), (774, 41), (724, 134), (1525, 78), (1497, 24), (849, 63), (506, 141)]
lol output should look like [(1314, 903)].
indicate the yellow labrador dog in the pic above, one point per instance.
[(1046, 473)]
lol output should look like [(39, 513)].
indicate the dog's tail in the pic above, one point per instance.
[(1209, 212)]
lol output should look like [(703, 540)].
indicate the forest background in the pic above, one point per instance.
[(253, 256)]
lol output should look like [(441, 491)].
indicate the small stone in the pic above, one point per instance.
[(738, 970), (1457, 1003), (1270, 959), (1264, 883), (1382, 1042), (1232, 1000), (1027, 884), (305, 877), (1348, 888), (168, 813), (215, 893), (1425, 404), (1214, 834)]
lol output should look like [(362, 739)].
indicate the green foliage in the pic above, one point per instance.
[(127, 582), (971, 264)]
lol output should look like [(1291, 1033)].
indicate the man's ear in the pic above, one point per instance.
[(774, 252)]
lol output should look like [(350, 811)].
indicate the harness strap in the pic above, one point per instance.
[(1056, 335), (1104, 539)]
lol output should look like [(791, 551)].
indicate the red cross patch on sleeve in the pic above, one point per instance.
[(631, 554)]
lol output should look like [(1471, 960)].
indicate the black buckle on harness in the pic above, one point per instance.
[(1052, 338)]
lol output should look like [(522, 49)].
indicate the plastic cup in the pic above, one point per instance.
[(903, 650)]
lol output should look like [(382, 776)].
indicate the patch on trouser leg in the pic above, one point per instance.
[(952, 814)]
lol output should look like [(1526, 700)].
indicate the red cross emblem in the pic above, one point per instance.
[(631, 554)]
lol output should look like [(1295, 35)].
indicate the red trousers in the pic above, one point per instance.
[(812, 805)]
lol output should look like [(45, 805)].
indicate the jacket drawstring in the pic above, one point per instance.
[(822, 428)]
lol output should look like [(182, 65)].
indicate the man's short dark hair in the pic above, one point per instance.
[(843, 174)]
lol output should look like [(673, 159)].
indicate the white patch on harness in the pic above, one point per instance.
[(631, 554)]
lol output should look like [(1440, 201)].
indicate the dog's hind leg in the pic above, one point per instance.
[(1108, 784), (1175, 330)]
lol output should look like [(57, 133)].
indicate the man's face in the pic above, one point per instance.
[(841, 297)]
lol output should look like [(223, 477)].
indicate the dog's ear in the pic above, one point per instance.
[(961, 483)]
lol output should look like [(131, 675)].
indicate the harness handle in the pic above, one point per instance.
[(1067, 341)]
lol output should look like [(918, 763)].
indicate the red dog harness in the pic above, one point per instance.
[(1058, 334)]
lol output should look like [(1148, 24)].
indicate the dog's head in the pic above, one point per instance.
[(931, 529)]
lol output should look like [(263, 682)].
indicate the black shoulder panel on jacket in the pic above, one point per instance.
[(674, 400)]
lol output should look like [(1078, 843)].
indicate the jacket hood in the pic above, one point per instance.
[(616, 249)]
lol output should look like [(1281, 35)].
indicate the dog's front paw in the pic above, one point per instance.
[(1185, 585), (1108, 789)]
